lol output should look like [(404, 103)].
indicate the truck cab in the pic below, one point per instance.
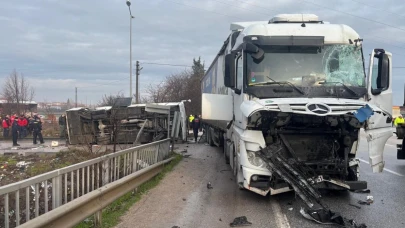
[(299, 85)]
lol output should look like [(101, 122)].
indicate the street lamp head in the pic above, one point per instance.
[(128, 3)]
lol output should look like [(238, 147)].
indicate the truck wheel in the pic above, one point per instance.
[(352, 173), (225, 147), (400, 132), (236, 173), (210, 141)]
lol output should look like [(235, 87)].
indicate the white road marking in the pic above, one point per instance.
[(281, 218), (388, 170)]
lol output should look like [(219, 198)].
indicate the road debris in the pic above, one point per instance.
[(362, 191), (328, 217), (302, 180), (362, 202), (353, 205), (186, 155), (184, 199), (220, 219), (240, 221), (370, 199), (209, 186), (224, 170), (290, 209)]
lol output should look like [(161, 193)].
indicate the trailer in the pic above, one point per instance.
[(286, 99)]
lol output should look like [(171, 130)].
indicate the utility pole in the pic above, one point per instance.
[(76, 98), (138, 71), (130, 47)]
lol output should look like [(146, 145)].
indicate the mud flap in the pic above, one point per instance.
[(376, 139)]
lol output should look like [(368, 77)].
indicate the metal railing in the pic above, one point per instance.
[(28, 199)]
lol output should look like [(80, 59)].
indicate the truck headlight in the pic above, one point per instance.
[(254, 160)]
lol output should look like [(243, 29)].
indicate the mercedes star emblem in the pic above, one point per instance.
[(319, 109)]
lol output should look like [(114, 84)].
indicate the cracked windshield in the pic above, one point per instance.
[(308, 66)]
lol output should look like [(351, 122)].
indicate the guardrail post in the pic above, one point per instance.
[(157, 153), (56, 191), (135, 161), (98, 223), (106, 171)]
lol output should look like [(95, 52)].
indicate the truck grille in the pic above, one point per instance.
[(337, 109)]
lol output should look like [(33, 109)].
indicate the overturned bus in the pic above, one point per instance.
[(115, 124)]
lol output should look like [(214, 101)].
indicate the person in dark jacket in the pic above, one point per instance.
[(196, 126), (22, 123), (62, 126), (14, 131), (6, 126), (36, 126)]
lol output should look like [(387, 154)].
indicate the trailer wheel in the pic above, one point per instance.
[(225, 146), (210, 141), (400, 132)]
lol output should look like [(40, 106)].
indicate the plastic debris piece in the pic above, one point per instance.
[(363, 113), (370, 199), (209, 186), (363, 202), (326, 216), (362, 191), (240, 221), (358, 207), (290, 209)]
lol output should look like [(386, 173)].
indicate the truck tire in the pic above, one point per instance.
[(400, 132), (236, 172), (210, 141), (225, 148)]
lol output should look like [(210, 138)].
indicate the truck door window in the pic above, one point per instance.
[(239, 73)]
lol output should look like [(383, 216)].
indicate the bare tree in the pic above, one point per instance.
[(17, 91), (109, 100), (181, 86)]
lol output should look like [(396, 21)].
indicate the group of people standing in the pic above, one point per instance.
[(21, 126)]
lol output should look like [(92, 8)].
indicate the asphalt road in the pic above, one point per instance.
[(182, 198)]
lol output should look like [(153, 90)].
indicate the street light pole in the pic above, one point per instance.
[(130, 48)]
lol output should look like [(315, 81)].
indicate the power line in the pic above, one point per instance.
[(371, 6), (364, 18), (202, 9), (165, 64), (168, 64)]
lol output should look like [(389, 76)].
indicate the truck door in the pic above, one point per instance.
[(379, 93), (238, 96)]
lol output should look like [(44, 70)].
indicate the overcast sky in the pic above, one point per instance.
[(62, 44)]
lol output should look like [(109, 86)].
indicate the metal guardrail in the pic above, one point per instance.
[(39, 195)]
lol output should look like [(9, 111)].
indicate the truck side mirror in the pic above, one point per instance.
[(254, 51), (383, 73), (229, 79)]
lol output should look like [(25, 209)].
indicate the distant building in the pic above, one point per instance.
[(25, 107)]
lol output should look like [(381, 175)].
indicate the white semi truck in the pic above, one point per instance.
[(297, 87)]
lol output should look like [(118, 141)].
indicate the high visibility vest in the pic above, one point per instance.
[(399, 121), (191, 118)]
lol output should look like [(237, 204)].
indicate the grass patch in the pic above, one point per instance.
[(112, 213)]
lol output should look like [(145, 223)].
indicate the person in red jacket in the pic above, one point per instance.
[(22, 124), (6, 126)]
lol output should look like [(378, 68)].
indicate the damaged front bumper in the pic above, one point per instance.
[(260, 182)]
